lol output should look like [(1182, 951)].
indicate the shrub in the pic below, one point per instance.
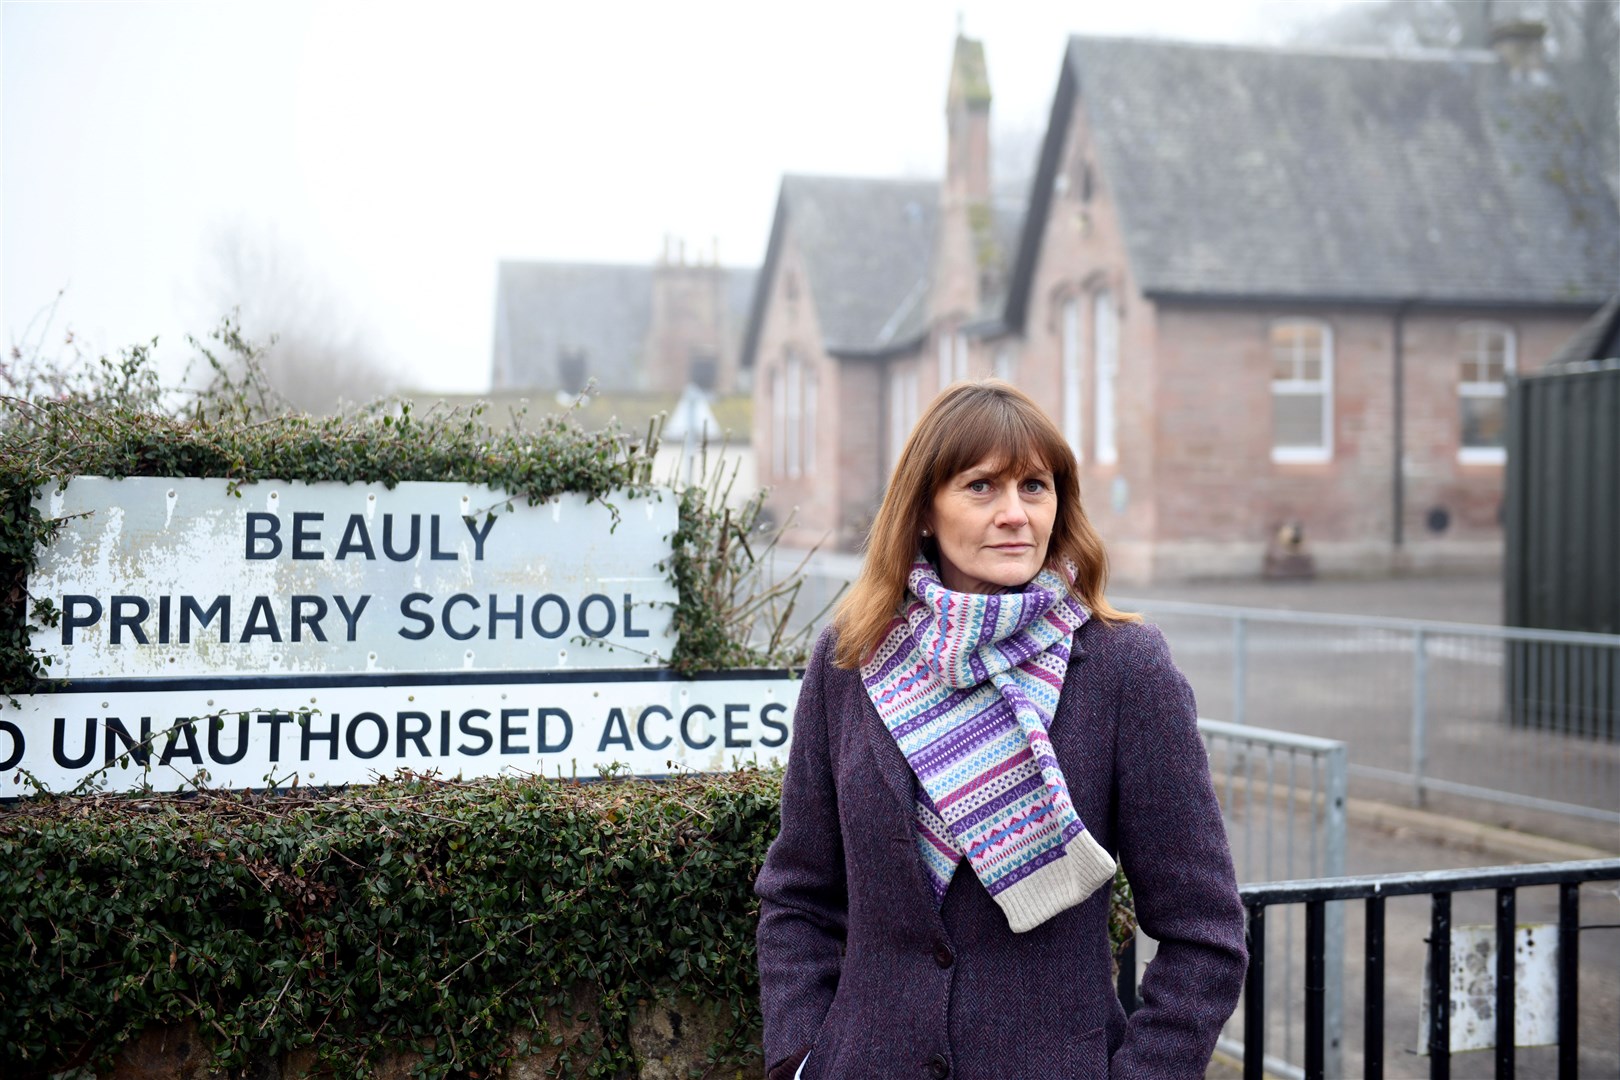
[(413, 915)]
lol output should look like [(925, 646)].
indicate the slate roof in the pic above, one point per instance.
[(542, 308), (1253, 172), (867, 247)]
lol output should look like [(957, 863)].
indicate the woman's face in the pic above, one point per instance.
[(992, 526)]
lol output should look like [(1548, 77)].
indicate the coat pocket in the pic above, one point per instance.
[(827, 1046), (1088, 1055)]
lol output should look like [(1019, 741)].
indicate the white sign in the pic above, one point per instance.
[(165, 577), (1473, 988), (251, 733)]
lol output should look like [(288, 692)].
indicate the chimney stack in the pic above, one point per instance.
[(967, 122), (963, 236)]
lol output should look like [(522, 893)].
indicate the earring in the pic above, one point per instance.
[(925, 534)]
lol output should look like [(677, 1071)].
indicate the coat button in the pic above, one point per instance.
[(942, 955), (938, 1067)]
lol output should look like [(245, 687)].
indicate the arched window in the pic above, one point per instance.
[(1105, 349), (1485, 353), (902, 409), (1006, 364), (778, 424), (810, 429), (953, 356), (1071, 375), (795, 415), (1301, 391)]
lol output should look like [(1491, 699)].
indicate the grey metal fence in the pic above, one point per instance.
[(1427, 706), (1283, 802)]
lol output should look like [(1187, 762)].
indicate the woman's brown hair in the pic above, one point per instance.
[(968, 423)]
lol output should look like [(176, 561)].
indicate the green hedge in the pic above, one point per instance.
[(416, 915)]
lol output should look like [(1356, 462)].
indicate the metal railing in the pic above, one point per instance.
[(1439, 885), (1515, 717), (1283, 803)]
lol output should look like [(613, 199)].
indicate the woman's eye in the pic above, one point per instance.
[(979, 487), (1034, 487)]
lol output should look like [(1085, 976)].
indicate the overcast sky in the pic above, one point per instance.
[(389, 155)]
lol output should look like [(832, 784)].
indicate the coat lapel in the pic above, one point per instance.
[(895, 808), (891, 763)]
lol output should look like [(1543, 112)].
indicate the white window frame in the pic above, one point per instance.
[(810, 429), (795, 414), (1485, 455), (1072, 413), (778, 424), (1005, 364), (1105, 351), (1304, 455), (902, 410), (945, 364)]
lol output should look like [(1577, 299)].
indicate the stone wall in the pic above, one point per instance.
[(671, 1040)]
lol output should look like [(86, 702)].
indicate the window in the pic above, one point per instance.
[(1071, 375), (705, 368), (1486, 353), (902, 409), (778, 424), (571, 370), (1105, 332), (793, 418), (795, 414), (1301, 391), (810, 430), (1006, 367), (953, 357)]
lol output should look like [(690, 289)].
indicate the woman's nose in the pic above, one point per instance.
[(1010, 510)]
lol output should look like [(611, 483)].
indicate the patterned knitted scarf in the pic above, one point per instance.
[(967, 685)]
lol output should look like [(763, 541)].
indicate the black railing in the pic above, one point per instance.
[(1439, 885)]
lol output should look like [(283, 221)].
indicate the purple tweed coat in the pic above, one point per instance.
[(858, 965)]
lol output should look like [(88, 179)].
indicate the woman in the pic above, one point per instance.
[(977, 737)]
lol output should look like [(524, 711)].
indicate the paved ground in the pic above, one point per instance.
[(1445, 599)]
